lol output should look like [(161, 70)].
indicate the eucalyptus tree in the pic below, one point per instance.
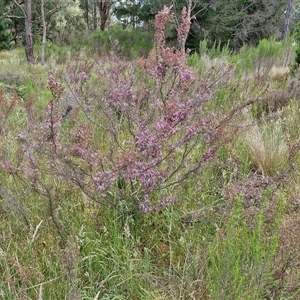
[(67, 25), (97, 12), (287, 19), (21, 10), (89, 8), (32, 19), (104, 7), (44, 32), (28, 31)]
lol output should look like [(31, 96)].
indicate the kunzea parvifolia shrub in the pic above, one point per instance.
[(135, 130)]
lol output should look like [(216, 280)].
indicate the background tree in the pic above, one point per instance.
[(233, 22), (96, 10), (237, 22), (85, 5), (129, 12), (286, 23), (5, 34), (28, 32), (136, 13), (104, 7), (27, 20), (24, 12), (67, 17), (89, 8), (10, 12), (44, 32)]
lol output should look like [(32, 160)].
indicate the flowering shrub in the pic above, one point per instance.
[(138, 128)]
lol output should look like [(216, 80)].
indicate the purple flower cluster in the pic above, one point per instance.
[(186, 76), (102, 180), (74, 77), (146, 206), (7, 166), (164, 203)]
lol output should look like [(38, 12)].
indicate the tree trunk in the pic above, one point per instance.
[(87, 14), (28, 33), (286, 23), (104, 9), (95, 16), (44, 32)]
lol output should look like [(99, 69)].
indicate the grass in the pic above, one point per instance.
[(241, 258), (267, 148), (231, 234)]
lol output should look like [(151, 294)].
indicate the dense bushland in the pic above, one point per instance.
[(162, 177)]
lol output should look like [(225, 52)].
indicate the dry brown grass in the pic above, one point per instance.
[(266, 147), (279, 73)]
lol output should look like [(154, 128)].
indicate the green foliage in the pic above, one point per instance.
[(297, 58), (60, 54), (236, 23), (241, 258), (296, 36), (5, 34), (296, 33), (259, 60), (218, 50), (130, 13), (67, 17), (126, 43)]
